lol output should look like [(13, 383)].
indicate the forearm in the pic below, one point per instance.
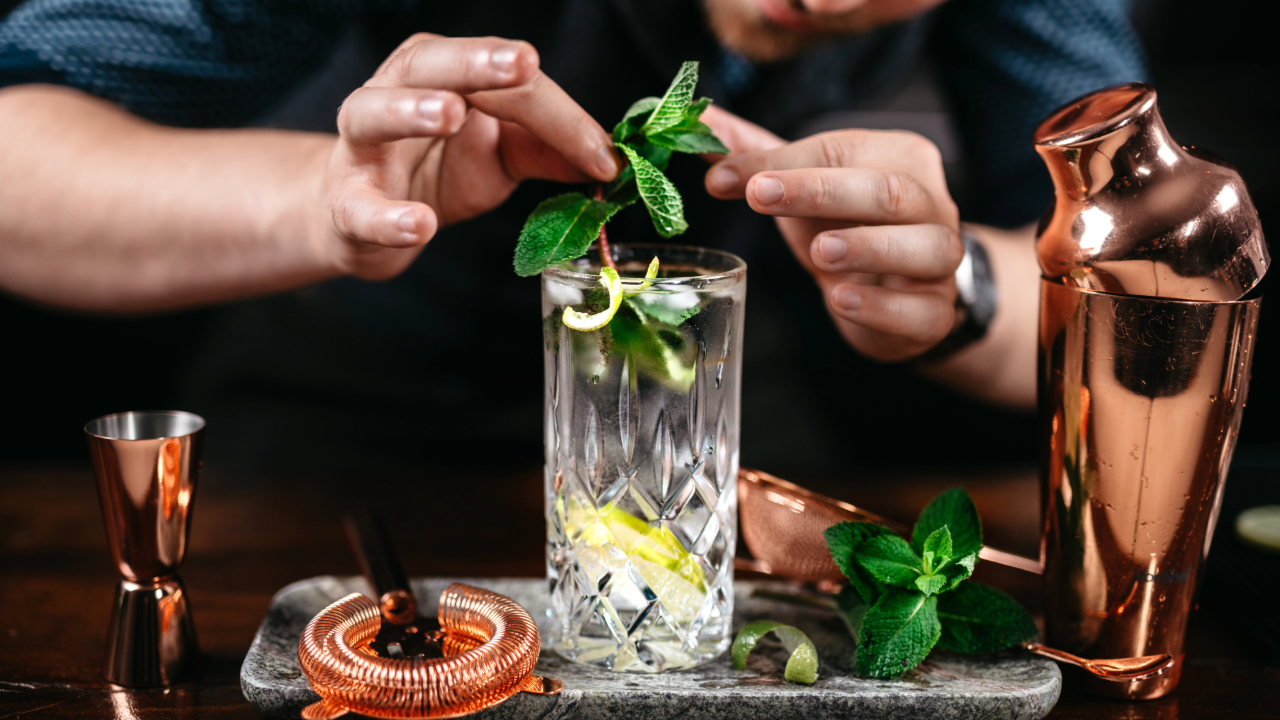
[(1000, 368), (105, 212)]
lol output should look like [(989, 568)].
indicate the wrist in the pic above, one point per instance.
[(976, 300), (310, 217)]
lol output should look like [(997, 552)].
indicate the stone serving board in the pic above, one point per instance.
[(947, 686)]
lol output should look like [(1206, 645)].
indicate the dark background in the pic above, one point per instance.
[(1214, 67)]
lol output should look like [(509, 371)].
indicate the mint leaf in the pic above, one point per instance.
[(622, 189), (669, 308), (666, 209), (697, 107), (802, 665), (634, 118), (843, 540), (689, 135), (890, 559), (959, 570), (930, 584), (897, 633), (955, 510), (852, 609), (937, 550), (656, 350), (671, 108), (977, 619), (695, 139), (560, 228)]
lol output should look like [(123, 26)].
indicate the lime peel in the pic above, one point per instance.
[(585, 323), (649, 275), (802, 666)]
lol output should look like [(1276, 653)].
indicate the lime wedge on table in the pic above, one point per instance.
[(1260, 527), (802, 666), (584, 322)]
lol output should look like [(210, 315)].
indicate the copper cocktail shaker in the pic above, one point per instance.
[(1145, 350), (146, 465)]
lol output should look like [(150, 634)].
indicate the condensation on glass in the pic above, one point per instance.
[(641, 422)]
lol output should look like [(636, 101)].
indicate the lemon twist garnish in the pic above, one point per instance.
[(584, 322)]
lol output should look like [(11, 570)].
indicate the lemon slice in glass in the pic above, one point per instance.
[(680, 597), (586, 323)]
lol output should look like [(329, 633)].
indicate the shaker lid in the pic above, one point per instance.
[(1135, 212), (1096, 114)]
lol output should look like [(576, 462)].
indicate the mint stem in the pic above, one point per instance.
[(606, 254)]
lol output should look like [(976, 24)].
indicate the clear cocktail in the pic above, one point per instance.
[(642, 459)]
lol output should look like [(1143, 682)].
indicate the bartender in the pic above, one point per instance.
[(371, 314)]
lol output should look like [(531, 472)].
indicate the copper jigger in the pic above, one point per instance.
[(146, 464)]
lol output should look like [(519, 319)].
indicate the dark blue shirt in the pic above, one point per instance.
[(349, 370)]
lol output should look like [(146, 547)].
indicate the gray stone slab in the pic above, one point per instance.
[(947, 686)]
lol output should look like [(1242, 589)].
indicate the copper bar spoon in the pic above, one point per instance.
[(404, 633), (782, 526), (1129, 669)]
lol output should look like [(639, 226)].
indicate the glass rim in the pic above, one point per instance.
[(739, 267)]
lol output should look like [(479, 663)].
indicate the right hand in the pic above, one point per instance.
[(444, 131)]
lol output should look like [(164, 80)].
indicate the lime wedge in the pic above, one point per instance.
[(802, 666), (1260, 527), (584, 322)]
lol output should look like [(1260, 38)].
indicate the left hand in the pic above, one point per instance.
[(868, 214)]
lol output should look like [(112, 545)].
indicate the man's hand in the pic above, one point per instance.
[(867, 212), (444, 131)]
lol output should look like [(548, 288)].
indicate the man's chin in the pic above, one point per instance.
[(740, 26)]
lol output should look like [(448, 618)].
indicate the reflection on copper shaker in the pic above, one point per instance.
[(1144, 355), (146, 465), (1137, 214)]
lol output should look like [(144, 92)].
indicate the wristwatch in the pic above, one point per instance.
[(975, 302)]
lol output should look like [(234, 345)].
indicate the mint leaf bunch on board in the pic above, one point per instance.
[(563, 227), (904, 599)]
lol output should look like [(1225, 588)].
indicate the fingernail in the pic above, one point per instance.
[(431, 111), (504, 58), (768, 190), (606, 161), (831, 248), (723, 179), (847, 299), (407, 222)]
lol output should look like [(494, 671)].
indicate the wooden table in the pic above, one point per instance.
[(254, 532)]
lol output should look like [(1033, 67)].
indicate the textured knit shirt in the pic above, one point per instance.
[(445, 360)]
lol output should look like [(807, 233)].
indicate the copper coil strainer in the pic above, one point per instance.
[(782, 525), (490, 647)]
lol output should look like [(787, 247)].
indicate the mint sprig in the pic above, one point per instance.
[(560, 228), (564, 227), (903, 599)]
